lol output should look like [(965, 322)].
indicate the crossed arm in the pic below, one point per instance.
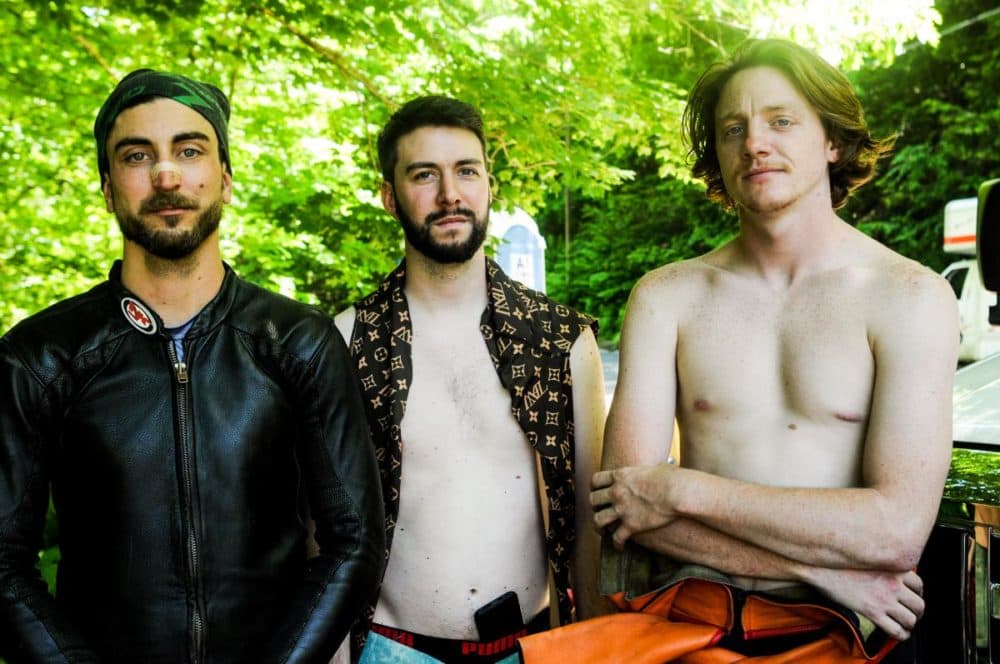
[(855, 544)]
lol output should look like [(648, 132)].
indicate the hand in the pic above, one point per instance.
[(892, 600), (634, 497)]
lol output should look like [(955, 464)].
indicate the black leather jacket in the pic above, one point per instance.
[(182, 487)]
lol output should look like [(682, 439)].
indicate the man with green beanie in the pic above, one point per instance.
[(187, 425)]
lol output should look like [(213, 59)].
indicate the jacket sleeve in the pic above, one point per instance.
[(30, 624), (339, 466)]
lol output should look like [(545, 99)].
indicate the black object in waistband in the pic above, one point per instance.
[(458, 650)]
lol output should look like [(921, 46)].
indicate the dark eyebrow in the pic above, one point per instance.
[(191, 136), (420, 164), (417, 165), (131, 140), (178, 138)]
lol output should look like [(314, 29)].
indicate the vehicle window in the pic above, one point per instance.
[(957, 279)]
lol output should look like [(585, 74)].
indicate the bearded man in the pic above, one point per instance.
[(187, 424), (485, 401)]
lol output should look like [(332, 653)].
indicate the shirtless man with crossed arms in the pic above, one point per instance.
[(809, 367)]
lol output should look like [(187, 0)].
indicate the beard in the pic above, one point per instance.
[(419, 235), (169, 244)]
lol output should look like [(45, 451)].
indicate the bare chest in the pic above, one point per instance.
[(458, 414), (469, 525), (807, 354)]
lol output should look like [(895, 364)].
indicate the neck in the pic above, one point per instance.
[(447, 287), (786, 248), (175, 289)]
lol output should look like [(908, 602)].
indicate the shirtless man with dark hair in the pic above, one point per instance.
[(810, 372), (485, 401)]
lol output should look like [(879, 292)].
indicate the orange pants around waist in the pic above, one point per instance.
[(695, 621)]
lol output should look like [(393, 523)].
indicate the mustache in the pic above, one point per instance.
[(441, 214), (167, 200)]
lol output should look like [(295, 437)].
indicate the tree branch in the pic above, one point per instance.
[(690, 26), (334, 58), (94, 53)]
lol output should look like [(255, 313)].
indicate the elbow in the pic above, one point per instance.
[(376, 554), (908, 554), (909, 543), (370, 554), (356, 536), (893, 539), (895, 552), (896, 560), (358, 558)]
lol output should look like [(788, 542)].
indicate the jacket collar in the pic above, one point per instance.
[(144, 318)]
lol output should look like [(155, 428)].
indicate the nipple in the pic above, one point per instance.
[(163, 166)]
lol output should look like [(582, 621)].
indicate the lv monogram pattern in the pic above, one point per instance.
[(529, 338)]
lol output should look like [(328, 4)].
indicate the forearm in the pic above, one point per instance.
[(855, 528), (325, 606), (892, 600), (33, 629), (337, 582), (691, 542), (585, 565)]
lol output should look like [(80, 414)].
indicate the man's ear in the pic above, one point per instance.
[(109, 200), (389, 198), (227, 187), (832, 152)]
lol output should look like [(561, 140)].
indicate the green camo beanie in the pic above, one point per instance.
[(141, 86)]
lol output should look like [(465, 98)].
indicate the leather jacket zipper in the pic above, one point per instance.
[(184, 430)]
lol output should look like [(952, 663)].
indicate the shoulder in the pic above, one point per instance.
[(69, 328), (674, 284), (274, 319), (252, 300), (907, 303), (680, 274), (897, 285), (553, 317)]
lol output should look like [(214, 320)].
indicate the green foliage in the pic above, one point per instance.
[(939, 100), (942, 104), (571, 93), (48, 557), (645, 223)]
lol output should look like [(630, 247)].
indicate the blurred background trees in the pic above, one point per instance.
[(582, 101)]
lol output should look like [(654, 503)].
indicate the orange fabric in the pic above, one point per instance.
[(622, 638), (763, 618), (703, 602), (684, 623), (821, 651)]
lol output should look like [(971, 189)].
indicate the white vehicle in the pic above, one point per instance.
[(980, 337), (976, 406), (961, 564)]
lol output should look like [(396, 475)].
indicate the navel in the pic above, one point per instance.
[(793, 426)]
